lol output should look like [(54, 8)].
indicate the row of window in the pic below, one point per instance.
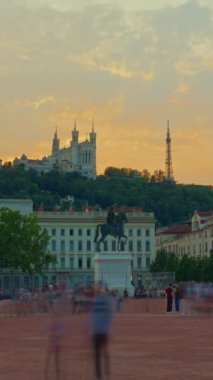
[(89, 263), (88, 246), (139, 262), (79, 232), (79, 261), (190, 249)]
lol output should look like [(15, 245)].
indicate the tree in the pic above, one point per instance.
[(34, 257), (160, 263), (11, 239), (23, 244)]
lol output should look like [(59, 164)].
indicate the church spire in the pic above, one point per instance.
[(56, 142), (92, 134), (75, 134)]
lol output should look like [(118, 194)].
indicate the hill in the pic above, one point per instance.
[(170, 202)]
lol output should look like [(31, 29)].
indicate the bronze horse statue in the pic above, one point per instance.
[(116, 230)]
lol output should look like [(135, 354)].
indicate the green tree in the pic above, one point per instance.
[(23, 244), (160, 263), (11, 239), (34, 258)]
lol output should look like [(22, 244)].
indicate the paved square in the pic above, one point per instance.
[(142, 346)]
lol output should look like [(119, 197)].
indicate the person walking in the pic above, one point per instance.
[(102, 316)]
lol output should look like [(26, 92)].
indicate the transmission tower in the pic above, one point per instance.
[(168, 169)]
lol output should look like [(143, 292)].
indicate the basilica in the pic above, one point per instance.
[(78, 157)]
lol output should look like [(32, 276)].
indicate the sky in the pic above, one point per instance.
[(129, 65)]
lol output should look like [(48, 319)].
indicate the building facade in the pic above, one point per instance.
[(72, 242), (194, 240), (77, 157)]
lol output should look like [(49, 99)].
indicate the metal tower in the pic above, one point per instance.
[(168, 169)]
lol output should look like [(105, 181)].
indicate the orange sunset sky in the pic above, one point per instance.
[(128, 64)]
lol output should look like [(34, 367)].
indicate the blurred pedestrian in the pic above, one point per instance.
[(102, 316)]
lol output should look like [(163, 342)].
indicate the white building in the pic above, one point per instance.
[(78, 157), (195, 239), (71, 241)]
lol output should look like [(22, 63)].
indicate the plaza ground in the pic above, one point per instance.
[(146, 343)]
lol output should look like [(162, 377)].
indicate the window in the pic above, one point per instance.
[(71, 232), (105, 246), (88, 232), (147, 262), (53, 279), (26, 281), (62, 231), (130, 245), (71, 262), (17, 282), (53, 232), (113, 245), (62, 245), (80, 262), (7, 282), (36, 282), (53, 245), (62, 262), (139, 245), (80, 232), (139, 262), (147, 246), (54, 264), (88, 245), (122, 246), (71, 245), (80, 245), (88, 262), (147, 233), (138, 232), (206, 247), (130, 233)]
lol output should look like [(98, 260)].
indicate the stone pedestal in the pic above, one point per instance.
[(114, 270)]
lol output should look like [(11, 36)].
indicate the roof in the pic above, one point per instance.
[(179, 229), (205, 213)]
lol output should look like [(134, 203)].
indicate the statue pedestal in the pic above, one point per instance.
[(114, 270)]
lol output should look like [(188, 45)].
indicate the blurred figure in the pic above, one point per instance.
[(102, 316), (169, 297), (55, 329), (178, 297)]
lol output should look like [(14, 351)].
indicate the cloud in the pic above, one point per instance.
[(181, 90), (198, 55), (116, 68), (32, 104)]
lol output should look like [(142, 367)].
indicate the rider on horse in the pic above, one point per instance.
[(113, 227), (111, 218)]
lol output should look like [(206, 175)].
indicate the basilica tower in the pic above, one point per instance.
[(75, 149)]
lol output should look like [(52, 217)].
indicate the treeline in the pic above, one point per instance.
[(186, 268), (170, 202)]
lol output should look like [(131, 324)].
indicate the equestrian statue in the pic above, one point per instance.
[(114, 227)]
